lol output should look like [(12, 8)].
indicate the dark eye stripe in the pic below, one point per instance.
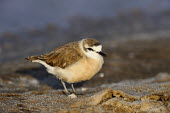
[(90, 49)]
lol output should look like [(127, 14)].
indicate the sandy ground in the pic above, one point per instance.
[(149, 95), (134, 78)]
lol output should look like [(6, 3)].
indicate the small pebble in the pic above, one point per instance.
[(84, 89), (101, 75)]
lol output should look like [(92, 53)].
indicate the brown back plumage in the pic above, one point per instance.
[(65, 55), (62, 56)]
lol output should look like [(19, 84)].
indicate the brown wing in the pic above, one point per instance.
[(63, 56)]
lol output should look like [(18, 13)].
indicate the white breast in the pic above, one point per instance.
[(83, 70)]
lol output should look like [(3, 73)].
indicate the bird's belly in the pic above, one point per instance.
[(82, 70)]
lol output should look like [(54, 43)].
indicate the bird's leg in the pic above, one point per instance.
[(69, 95), (73, 95), (72, 86), (65, 88)]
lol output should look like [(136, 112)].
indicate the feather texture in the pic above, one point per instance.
[(62, 57)]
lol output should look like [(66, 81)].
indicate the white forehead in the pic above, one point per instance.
[(93, 54), (95, 48)]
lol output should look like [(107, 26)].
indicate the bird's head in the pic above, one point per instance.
[(92, 48)]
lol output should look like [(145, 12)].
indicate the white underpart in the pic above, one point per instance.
[(92, 54), (57, 71)]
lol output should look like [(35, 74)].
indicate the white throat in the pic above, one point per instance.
[(92, 54)]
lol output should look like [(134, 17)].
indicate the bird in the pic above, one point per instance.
[(73, 62)]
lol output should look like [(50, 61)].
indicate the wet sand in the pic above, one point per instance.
[(135, 77)]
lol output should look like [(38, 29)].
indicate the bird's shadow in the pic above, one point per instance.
[(44, 77)]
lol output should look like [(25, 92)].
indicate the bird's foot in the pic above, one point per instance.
[(72, 95)]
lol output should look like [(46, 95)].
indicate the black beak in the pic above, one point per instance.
[(102, 54)]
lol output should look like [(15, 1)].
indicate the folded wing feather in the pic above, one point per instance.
[(61, 57)]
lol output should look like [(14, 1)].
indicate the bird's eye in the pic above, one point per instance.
[(90, 49)]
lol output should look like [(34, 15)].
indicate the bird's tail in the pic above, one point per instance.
[(31, 58), (38, 59)]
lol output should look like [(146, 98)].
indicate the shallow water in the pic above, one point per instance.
[(23, 14)]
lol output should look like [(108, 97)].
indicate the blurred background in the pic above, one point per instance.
[(135, 34)]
